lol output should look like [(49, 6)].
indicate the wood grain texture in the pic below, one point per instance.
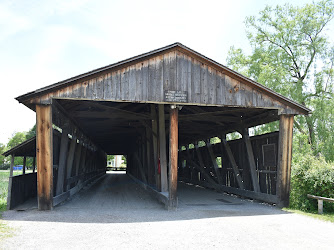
[(173, 158), (162, 148), (146, 81), (284, 159), (252, 165), (44, 157)]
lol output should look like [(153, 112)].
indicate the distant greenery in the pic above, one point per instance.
[(16, 139), (292, 55)]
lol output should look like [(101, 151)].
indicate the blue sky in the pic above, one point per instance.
[(43, 42)]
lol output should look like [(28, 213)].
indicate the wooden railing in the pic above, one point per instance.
[(320, 202)]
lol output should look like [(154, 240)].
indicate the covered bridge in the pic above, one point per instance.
[(161, 110)]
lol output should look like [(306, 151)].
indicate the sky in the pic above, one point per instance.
[(44, 42)]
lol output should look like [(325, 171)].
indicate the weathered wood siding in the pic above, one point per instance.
[(266, 174), (147, 81), (77, 160)]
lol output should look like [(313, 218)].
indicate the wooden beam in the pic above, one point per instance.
[(10, 182), (78, 158), (141, 168), (70, 158), (155, 146), (201, 168), (252, 166), (24, 165), (214, 162), (284, 159), (62, 161), (162, 148), (173, 154), (44, 157), (11, 165), (232, 161), (33, 164)]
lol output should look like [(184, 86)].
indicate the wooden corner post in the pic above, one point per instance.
[(44, 157), (284, 159), (173, 154)]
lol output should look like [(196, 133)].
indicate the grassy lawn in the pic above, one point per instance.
[(5, 231), (325, 216)]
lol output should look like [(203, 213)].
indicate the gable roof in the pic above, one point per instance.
[(176, 46)]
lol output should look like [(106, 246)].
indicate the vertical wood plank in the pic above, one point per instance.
[(24, 165), (70, 158), (145, 80), (214, 162), (159, 91), (108, 87), (139, 82), (10, 183), (162, 148), (284, 159), (173, 156), (78, 158), (33, 164), (151, 79), (155, 145), (251, 160), (44, 157), (204, 83), (132, 83), (11, 165), (62, 161)]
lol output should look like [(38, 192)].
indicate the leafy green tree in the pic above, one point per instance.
[(2, 150), (16, 139), (292, 55), (31, 133)]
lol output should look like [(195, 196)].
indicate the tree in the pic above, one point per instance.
[(16, 139), (292, 55), (2, 150)]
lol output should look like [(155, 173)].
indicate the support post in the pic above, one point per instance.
[(155, 146), (24, 165), (11, 165), (44, 156), (10, 182), (34, 164), (173, 154), (284, 159), (62, 161), (162, 148), (252, 166)]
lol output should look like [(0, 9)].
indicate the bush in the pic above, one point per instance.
[(311, 175), (4, 167)]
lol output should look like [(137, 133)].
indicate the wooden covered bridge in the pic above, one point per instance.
[(161, 110)]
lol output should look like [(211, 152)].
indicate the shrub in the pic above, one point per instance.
[(311, 175)]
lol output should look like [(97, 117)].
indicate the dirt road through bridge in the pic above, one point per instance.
[(116, 213)]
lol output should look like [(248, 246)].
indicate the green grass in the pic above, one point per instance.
[(5, 230), (325, 216)]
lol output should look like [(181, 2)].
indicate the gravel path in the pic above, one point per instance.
[(117, 214)]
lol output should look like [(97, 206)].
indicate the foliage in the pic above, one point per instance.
[(292, 55), (2, 150), (311, 175)]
